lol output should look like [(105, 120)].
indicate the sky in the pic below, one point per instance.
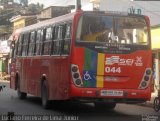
[(59, 2)]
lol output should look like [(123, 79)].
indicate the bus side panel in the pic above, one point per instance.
[(58, 81), (23, 74), (34, 76)]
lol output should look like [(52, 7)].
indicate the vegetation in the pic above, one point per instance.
[(24, 2), (6, 13), (34, 8)]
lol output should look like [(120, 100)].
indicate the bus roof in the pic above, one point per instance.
[(69, 16), (47, 22)]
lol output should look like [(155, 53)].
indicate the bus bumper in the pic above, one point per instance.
[(111, 95)]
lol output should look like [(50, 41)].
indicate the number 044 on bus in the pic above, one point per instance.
[(99, 57)]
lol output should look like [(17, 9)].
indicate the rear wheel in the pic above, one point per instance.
[(44, 96), (105, 105), (156, 104), (21, 95)]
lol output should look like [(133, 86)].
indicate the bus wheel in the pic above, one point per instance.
[(44, 96), (104, 105), (21, 95)]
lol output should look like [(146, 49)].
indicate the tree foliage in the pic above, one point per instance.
[(35, 8), (5, 29), (8, 13), (24, 2)]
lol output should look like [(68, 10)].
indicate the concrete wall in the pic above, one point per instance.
[(155, 36), (18, 24)]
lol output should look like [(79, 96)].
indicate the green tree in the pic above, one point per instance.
[(5, 29), (35, 8), (2, 1), (24, 2), (5, 1)]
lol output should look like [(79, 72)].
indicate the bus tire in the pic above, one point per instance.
[(156, 104), (44, 96), (21, 95), (105, 105)]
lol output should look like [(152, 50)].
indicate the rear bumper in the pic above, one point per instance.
[(94, 94)]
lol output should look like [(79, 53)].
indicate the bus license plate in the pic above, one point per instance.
[(111, 93)]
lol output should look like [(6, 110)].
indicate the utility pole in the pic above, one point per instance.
[(78, 4)]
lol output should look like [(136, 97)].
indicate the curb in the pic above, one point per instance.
[(146, 104)]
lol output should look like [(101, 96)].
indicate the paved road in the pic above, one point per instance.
[(9, 102)]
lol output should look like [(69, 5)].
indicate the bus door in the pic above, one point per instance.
[(12, 62), (14, 65)]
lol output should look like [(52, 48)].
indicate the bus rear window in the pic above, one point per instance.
[(112, 29)]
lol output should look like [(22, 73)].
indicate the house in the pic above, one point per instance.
[(53, 11)]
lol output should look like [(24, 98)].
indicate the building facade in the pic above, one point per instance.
[(155, 33), (53, 11), (21, 21)]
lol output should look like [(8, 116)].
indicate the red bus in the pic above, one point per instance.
[(99, 57)]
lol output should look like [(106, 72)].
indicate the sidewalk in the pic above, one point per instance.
[(149, 103)]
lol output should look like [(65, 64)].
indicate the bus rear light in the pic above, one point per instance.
[(144, 84), (76, 75), (78, 82), (145, 80), (74, 69), (148, 72)]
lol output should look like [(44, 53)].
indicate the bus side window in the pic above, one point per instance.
[(25, 44), (31, 50), (47, 41), (39, 42), (67, 39), (20, 42), (53, 37), (57, 39)]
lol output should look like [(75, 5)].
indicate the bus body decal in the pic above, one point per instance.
[(90, 68), (93, 74), (100, 70)]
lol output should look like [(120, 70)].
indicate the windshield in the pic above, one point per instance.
[(112, 29)]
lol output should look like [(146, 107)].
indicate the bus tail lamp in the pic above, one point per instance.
[(145, 80), (76, 75)]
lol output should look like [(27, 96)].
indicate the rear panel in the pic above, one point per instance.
[(114, 66)]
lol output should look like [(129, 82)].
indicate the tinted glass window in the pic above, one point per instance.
[(67, 39), (32, 46), (39, 41), (48, 41), (57, 40), (25, 44), (112, 29)]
